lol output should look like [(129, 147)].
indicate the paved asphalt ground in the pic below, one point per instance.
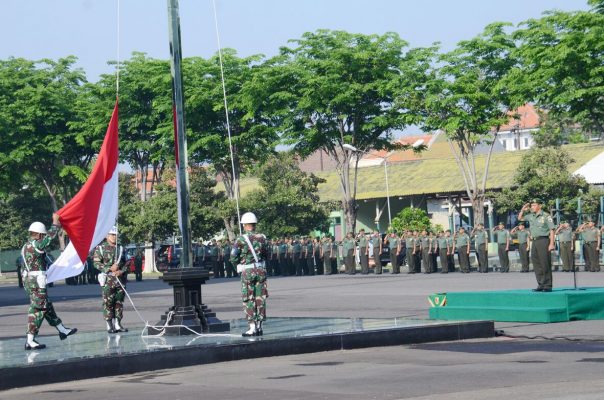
[(498, 368)]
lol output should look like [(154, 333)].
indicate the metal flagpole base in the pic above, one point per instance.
[(188, 315)]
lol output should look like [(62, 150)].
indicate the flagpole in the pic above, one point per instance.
[(182, 174)]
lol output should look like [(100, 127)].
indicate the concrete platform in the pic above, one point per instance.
[(97, 354), (560, 305)]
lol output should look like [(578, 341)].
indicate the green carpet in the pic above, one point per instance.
[(561, 305)]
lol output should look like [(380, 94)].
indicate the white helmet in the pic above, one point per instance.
[(113, 230), (37, 227), (249, 218)]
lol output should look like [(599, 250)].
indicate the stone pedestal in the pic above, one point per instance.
[(188, 310)]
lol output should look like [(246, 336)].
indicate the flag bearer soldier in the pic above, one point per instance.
[(409, 246), (502, 237), (524, 245), (316, 251), (326, 255), (394, 245), (591, 241), (109, 260), (462, 243), (566, 238), (34, 281), (426, 242), (363, 243), (349, 247), (542, 237), (442, 245), (249, 254), (481, 242)]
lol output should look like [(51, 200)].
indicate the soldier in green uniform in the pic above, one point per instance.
[(310, 259), (409, 247), (282, 260), (481, 242), (376, 247), (442, 245), (363, 244), (138, 265), (591, 241), (524, 245), (34, 281), (451, 244), (542, 242), (502, 237), (417, 252), (316, 251), (335, 249), (566, 239), (462, 244), (394, 245), (349, 247), (249, 254), (108, 259), (296, 254), (326, 255), (228, 265), (426, 243)]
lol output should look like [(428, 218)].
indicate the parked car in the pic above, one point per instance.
[(168, 256)]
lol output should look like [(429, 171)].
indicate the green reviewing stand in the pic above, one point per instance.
[(561, 305)]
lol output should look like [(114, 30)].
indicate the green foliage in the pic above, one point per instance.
[(413, 219), (562, 60), (467, 98), (557, 129), (287, 202), (36, 105), (543, 173), (17, 211), (205, 216)]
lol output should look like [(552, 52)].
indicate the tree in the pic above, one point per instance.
[(37, 103), (17, 211), (253, 139), (334, 88), (543, 173), (206, 219), (146, 125), (287, 202), (413, 219), (468, 100), (561, 57)]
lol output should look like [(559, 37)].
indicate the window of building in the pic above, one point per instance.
[(526, 142)]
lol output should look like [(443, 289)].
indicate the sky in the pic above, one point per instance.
[(88, 29)]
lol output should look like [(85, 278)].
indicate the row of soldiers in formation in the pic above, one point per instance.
[(309, 256)]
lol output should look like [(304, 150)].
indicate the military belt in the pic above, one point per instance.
[(34, 273), (253, 265)]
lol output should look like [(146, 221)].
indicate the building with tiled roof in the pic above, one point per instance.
[(517, 134)]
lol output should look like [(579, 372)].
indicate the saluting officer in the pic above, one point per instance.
[(591, 242), (524, 245), (34, 282), (462, 243), (566, 239), (542, 235), (481, 242)]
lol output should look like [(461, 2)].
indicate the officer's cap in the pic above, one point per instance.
[(536, 200)]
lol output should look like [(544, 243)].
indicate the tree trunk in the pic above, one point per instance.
[(478, 208)]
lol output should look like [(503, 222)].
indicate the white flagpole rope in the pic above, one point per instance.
[(226, 112), (117, 72), (162, 328)]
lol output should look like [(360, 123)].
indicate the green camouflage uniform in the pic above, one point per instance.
[(113, 294), (40, 307), (253, 277)]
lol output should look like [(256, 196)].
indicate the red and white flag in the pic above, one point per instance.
[(92, 212)]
